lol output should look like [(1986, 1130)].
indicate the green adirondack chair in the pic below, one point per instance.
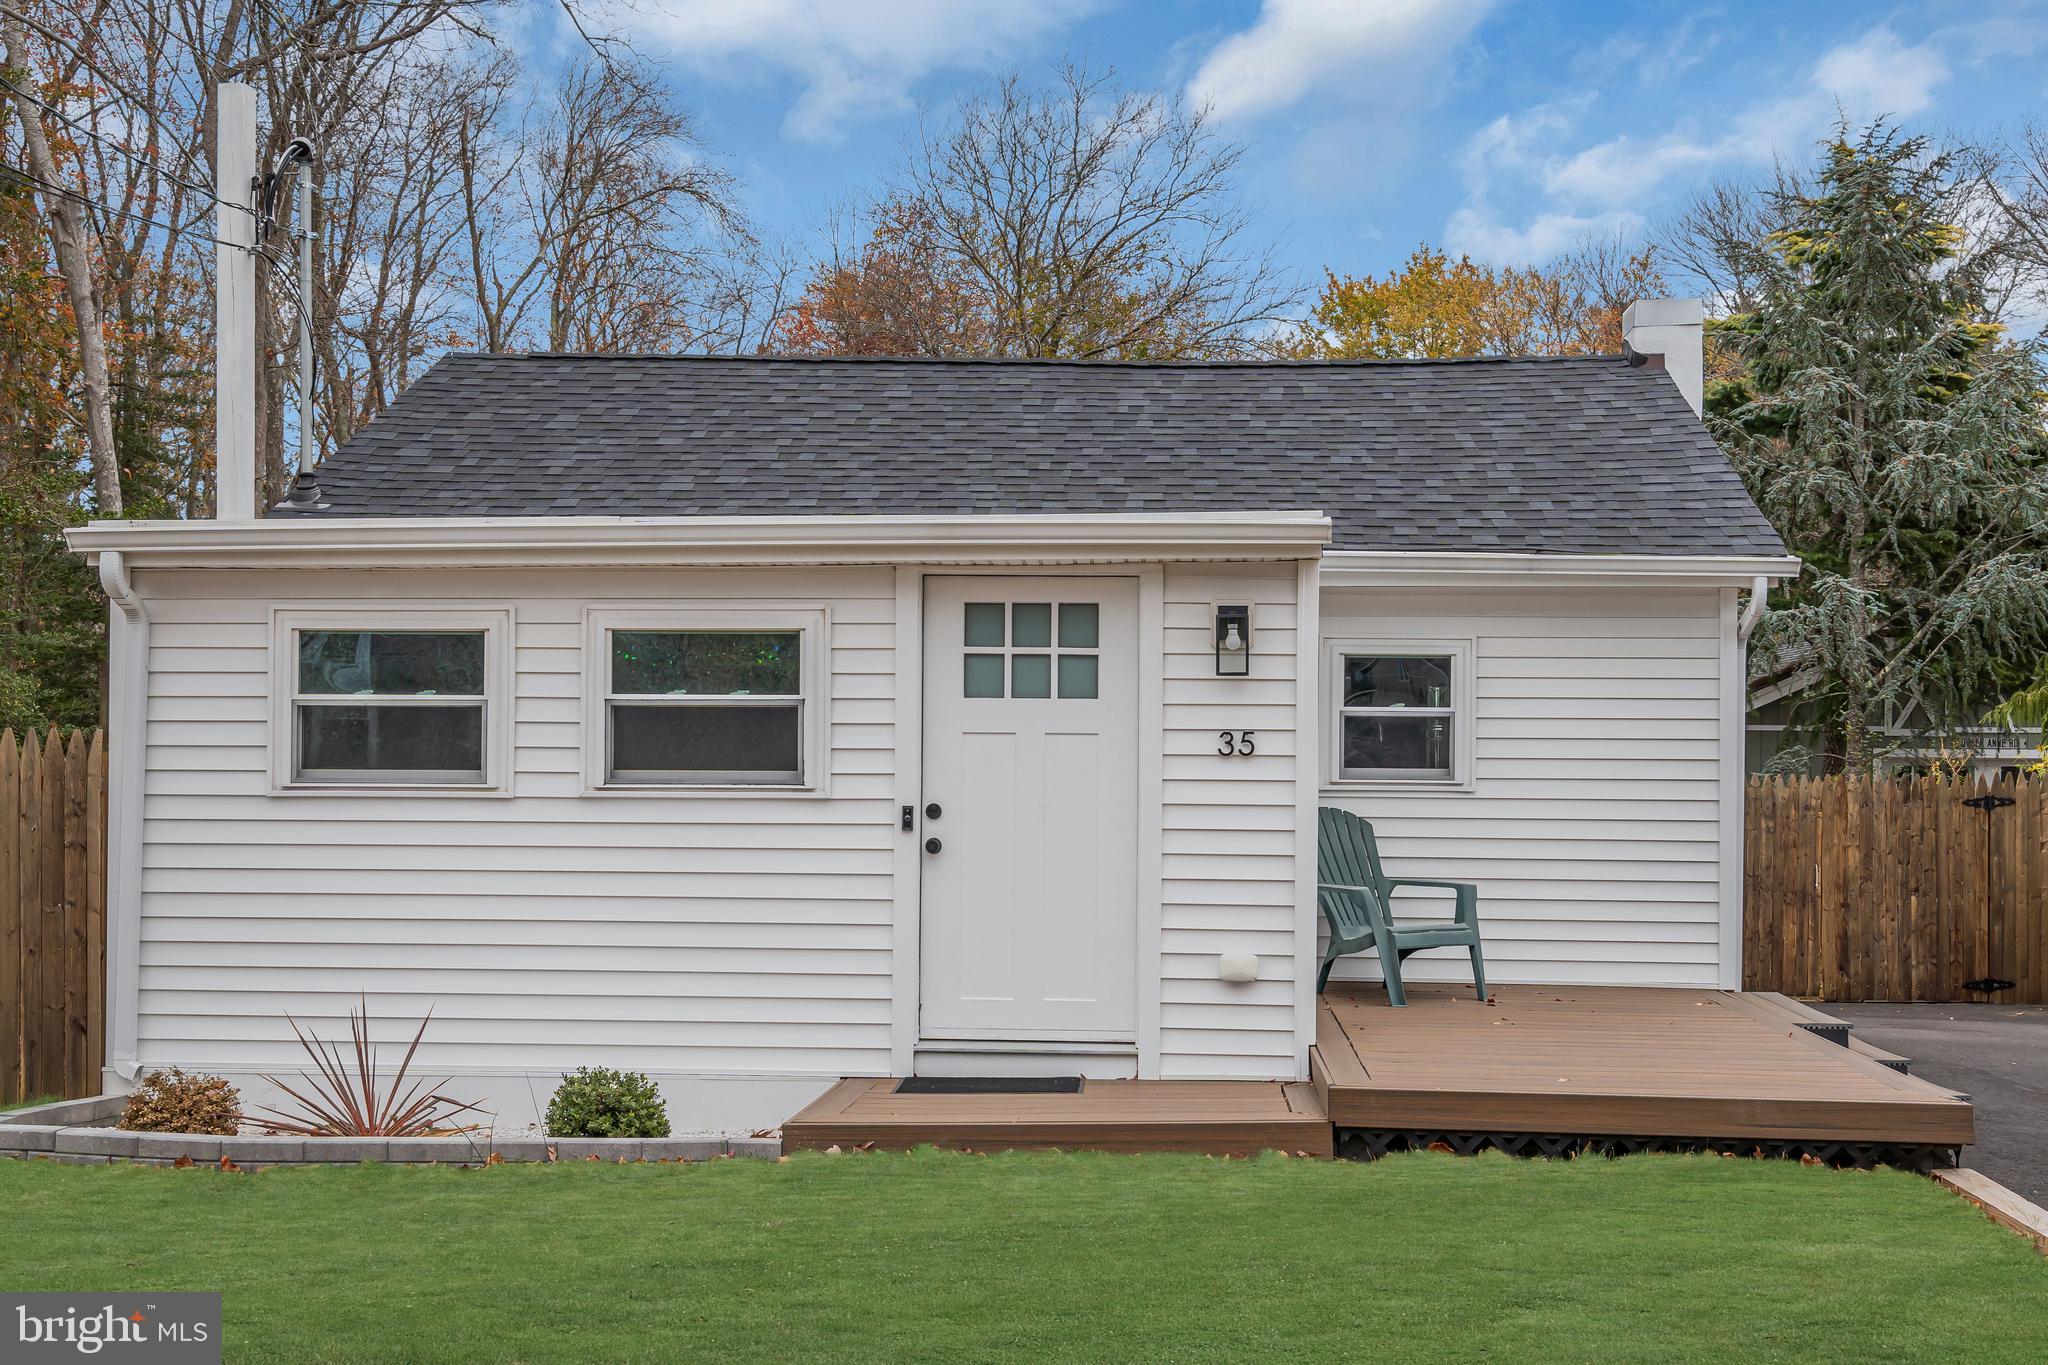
[(1357, 895)]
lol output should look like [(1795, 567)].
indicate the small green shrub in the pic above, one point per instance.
[(595, 1101), (172, 1102)]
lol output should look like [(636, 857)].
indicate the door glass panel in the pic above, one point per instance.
[(1080, 625), (1031, 675), (1077, 674), (1031, 624), (985, 624), (984, 675)]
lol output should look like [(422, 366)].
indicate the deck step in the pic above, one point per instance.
[(1902, 1065), (1807, 1017), (1221, 1118)]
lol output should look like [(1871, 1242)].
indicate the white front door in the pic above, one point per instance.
[(1029, 809)]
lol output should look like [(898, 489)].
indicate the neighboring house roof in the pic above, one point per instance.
[(1580, 455)]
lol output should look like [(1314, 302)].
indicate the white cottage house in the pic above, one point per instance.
[(761, 722)]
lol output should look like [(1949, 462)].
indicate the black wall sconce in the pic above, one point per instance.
[(1233, 642)]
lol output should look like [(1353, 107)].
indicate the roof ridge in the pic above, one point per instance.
[(1065, 361)]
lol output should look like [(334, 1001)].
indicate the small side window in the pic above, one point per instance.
[(690, 707), (389, 707), (1401, 713)]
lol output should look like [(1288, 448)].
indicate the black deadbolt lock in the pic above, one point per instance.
[(932, 846), (932, 811)]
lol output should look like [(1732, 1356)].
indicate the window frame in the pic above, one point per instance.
[(1461, 711), (810, 623), (494, 623)]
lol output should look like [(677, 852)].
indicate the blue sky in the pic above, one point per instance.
[(1504, 128)]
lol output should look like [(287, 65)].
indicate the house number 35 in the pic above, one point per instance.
[(1238, 743)]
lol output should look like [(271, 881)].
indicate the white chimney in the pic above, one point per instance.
[(234, 302), (1669, 333)]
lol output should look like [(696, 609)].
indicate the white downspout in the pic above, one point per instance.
[(1759, 593), (127, 714)]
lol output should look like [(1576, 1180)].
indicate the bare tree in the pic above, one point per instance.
[(597, 224), (67, 232), (1095, 222)]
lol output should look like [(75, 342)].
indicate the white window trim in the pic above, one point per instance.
[(494, 622), (1463, 689), (813, 623)]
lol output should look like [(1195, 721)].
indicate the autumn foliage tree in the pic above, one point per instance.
[(1436, 308), (893, 292)]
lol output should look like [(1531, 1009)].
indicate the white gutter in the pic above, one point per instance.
[(465, 542), (1407, 568)]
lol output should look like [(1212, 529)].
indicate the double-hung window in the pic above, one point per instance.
[(1402, 713), (377, 699), (706, 699)]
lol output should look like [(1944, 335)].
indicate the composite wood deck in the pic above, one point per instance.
[(1222, 1118), (1612, 1061), (1583, 1061)]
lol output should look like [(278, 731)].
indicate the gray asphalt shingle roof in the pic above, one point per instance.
[(1578, 455)]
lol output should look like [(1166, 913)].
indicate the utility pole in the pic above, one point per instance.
[(234, 366)]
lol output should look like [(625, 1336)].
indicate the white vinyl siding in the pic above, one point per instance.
[(701, 933), (1228, 842), (1593, 821)]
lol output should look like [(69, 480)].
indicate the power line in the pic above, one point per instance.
[(137, 157), (75, 196)]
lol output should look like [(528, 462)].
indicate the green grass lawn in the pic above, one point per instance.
[(944, 1257)]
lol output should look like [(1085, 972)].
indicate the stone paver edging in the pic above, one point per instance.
[(75, 1130)]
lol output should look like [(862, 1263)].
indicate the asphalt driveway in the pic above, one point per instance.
[(1995, 1054)]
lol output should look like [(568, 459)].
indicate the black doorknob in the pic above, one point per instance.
[(932, 845), (932, 811)]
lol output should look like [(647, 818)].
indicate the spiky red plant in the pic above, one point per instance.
[(346, 1100)]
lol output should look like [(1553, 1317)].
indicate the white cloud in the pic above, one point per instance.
[(856, 59), (1471, 231), (1874, 76), (1598, 188), (1880, 75), (1346, 49)]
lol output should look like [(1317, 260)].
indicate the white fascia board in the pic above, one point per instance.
[(1423, 568), (510, 542)]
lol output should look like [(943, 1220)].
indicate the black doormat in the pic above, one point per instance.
[(989, 1085)]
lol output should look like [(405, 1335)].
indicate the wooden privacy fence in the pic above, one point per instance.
[(1918, 888), (53, 921)]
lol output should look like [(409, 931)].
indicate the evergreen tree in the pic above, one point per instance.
[(1895, 438)]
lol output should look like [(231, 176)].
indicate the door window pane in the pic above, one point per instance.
[(392, 663), (1411, 745), (985, 624), (1394, 681), (1031, 675), (444, 742), (984, 675), (706, 743), (1080, 625), (1031, 624), (697, 663), (1077, 675)]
